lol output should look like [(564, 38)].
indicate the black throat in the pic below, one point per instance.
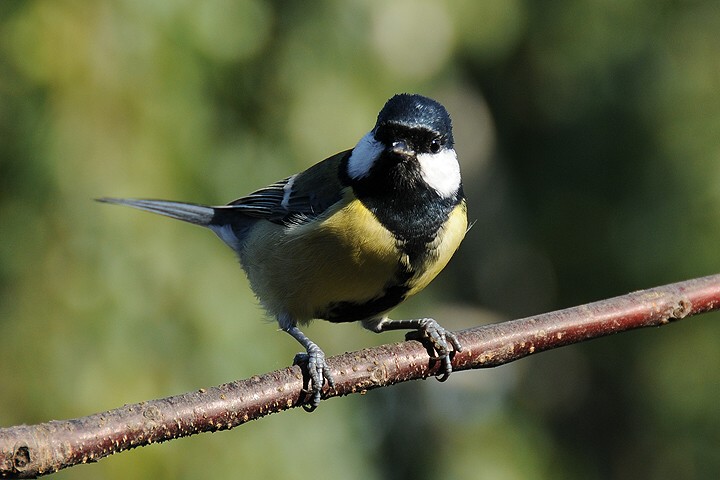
[(396, 194), (414, 213)]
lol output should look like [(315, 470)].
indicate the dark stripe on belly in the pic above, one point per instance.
[(352, 311)]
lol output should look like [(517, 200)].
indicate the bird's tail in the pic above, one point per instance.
[(187, 212), (228, 222)]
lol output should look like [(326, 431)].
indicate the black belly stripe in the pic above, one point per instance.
[(413, 213), (404, 204), (339, 312)]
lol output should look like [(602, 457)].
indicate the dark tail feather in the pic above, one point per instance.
[(187, 212)]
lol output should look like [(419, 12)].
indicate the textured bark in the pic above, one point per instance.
[(29, 451)]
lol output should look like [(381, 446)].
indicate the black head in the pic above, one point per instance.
[(410, 146), (414, 113), (406, 172)]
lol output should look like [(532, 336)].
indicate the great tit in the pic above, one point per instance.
[(351, 237)]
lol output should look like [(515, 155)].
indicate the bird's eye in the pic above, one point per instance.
[(435, 146)]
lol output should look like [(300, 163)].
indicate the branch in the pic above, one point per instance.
[(34, 450)]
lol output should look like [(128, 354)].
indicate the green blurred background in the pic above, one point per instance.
[(589, 134)]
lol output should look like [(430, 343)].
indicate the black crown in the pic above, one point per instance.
[(416, 111)]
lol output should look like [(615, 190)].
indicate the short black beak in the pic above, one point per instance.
[(402, 148)]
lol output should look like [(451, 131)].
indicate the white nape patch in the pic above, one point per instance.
[(226, 234), (441, 171), (363, 156), (287, 191)]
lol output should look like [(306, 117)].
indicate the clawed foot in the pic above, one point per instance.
[(318, 371), (314, 364), (441, 339)]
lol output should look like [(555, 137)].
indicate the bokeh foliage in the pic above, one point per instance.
[(589, 134)]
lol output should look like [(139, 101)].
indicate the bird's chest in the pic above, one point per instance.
[(381, 267), (347, 266), (353, 238)]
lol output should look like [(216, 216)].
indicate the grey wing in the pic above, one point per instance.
[(266, 203), (296, 199)]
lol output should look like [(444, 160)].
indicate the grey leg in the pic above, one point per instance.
[(317, 367), (430, 329)]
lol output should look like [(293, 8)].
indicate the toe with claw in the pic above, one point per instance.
[(441, 340), (318, 372), (316, 366)]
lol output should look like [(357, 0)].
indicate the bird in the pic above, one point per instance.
[(351, 237)]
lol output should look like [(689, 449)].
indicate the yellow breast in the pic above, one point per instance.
[(346, 255), (441, 251)]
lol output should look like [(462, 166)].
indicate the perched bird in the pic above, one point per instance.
[(351, 237)]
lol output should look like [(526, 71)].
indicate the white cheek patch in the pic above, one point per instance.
[(364, 156), (441, 171)]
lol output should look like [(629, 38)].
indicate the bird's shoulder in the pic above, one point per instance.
[(298, 198)]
